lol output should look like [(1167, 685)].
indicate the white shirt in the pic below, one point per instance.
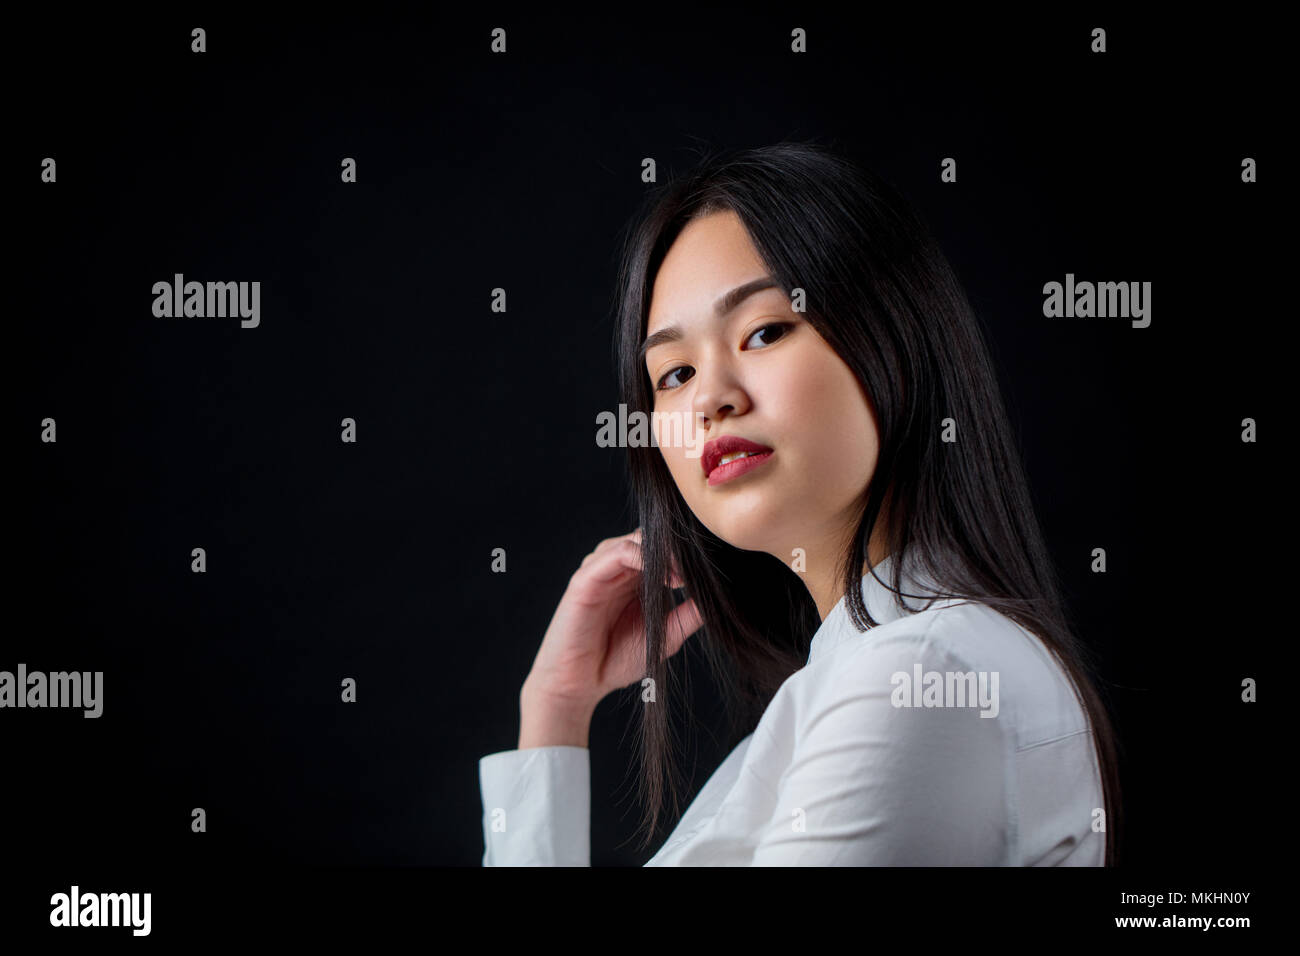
[(840, 772)]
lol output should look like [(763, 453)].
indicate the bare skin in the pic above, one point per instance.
[(595, 644), (760, 372)]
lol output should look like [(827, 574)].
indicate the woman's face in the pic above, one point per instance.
[(759, 372)]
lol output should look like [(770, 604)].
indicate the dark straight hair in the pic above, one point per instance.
[(884, 297)]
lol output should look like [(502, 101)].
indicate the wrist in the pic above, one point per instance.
[(546, 720)]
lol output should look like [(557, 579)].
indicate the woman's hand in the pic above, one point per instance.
[(595, 644)]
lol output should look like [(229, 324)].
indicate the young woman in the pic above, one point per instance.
[(842, 502)]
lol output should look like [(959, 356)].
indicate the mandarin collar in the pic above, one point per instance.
[(884, 605)]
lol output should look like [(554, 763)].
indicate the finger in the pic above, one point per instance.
[(674, 578), (617, 562), (618, 539), (683, 621)]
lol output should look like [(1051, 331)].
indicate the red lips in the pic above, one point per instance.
[(726, 445)]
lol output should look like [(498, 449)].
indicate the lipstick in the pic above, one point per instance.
[(715, 450)]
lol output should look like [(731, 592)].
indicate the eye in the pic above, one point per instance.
[(661, 388), (780, 328)]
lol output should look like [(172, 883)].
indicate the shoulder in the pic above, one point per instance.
[(954, 647)]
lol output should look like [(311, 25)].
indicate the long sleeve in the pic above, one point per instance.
[(536, 807), (873, 783)]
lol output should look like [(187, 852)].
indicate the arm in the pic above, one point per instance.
[(536, 807), (537, 799), (872, 784)]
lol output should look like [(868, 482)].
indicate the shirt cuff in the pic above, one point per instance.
[(536, 806)]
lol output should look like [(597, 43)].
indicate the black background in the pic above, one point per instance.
[(476, 429)]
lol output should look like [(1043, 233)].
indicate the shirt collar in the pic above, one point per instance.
[(883, 604)]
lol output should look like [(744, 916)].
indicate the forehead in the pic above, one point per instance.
[(710, 256)]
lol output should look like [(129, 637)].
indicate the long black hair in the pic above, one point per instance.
[(884, 297)]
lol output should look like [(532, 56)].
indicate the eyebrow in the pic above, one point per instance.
[(721, 308)]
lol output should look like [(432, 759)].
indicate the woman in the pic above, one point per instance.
[(847, 515)]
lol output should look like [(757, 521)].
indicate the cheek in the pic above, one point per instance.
[(829, 418), (813, 389), (683, 468), (671, 433), (679, 467)]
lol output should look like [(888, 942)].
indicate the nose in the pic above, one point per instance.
[(718, 393)]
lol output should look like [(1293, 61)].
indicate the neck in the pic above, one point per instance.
[(822, 574)]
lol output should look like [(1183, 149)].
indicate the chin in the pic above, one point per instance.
[(752, 532)]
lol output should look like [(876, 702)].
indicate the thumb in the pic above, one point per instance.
[(675, 572), (683, 621)]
